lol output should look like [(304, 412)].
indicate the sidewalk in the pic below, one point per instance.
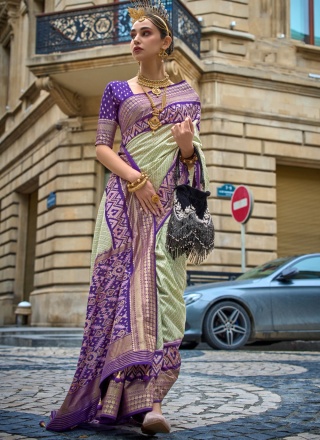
[(220, 395), (26, 336)]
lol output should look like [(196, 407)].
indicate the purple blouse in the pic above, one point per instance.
[(120, 106)]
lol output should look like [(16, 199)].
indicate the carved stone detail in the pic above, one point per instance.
[(270, 18), (69, 102), (174, 71), (9, 12), (179, 69), (280, 18), (71, 124)]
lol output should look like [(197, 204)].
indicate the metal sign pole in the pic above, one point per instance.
[(241, 209), (243, 247)]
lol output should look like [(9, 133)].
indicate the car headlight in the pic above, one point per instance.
[(191, 298)]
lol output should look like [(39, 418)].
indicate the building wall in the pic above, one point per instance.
[(260, 111)]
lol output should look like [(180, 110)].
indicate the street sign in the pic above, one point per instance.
[(241, 204), (51, 200), (225, 190)]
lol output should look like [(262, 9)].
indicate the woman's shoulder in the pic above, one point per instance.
[(183, 87), (117, 86), (118, 90)]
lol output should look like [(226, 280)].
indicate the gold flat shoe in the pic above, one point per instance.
[(155, 423)]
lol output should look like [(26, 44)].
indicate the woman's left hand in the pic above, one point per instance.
[(183, 134)]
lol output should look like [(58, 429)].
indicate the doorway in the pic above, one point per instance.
[(26, 241), (30, 250)]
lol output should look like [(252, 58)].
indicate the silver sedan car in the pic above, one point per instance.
[(279, 300)]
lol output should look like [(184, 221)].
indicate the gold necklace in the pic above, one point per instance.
[(154, 84), (154, 122)]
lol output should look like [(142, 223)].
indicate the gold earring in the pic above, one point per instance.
[(163, 54)]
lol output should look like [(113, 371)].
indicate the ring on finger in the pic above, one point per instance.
[(155, 198)]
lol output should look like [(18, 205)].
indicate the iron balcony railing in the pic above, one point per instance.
[(105, 25)]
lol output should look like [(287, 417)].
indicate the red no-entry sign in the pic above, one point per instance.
[(241, 204)]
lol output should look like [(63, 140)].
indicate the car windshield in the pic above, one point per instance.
[(265, 269)]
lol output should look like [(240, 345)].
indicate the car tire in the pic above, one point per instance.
[(227, 326), (188, 345)]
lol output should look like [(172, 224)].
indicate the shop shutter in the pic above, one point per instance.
[(298, 210)]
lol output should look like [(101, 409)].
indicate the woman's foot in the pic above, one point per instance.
[(155, 423), (139, 418)]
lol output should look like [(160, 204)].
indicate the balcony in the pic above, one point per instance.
[(79, 51), (106, 25)]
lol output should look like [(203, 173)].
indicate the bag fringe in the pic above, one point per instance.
[(190, 236), (190, 230)]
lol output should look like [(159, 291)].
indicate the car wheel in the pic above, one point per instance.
[(227, 326)]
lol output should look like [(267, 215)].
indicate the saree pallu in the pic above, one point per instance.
[(135, 320)]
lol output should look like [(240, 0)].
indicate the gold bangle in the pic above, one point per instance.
[(189, 161), (188, 158), (138, 186), (192, 158), (139, 180), (190, 165), (186, 161)]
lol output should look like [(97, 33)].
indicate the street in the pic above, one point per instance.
[(247, 394)]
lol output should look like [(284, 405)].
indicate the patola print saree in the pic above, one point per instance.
[(129, 357)]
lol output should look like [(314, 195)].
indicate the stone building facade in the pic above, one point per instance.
[(260, 96)]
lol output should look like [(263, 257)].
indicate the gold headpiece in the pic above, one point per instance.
[(144, 7)]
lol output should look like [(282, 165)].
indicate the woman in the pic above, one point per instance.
[(130, 358)]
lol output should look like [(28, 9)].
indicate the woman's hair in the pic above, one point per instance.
[(159, 23)]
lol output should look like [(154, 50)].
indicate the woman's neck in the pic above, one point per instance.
[(156, 71)]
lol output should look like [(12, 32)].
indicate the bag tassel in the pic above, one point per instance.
[(190, 229)]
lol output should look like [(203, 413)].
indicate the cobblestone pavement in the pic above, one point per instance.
[(219, 395)]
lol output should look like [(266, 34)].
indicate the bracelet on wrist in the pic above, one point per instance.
[(189, 157), (139, 183), (189, 161)]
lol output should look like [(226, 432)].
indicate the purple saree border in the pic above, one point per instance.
[(129, 157), (197, 174), (142, 93), (89, 412), (127, 360), (154, 224), (74, 418), (184, 174), (149, 362), (141, 125), (125, 209), (143, 410)]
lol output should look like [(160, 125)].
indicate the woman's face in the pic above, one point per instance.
[(146, 40)]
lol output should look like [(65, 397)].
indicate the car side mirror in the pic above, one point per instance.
[(287, 273)]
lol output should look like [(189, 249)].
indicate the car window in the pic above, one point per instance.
[(265, 269), (309, 268)]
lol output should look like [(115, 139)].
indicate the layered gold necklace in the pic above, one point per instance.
[(154, 122), (155, 85)]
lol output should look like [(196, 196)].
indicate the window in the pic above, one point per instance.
[(5, 56), (309, 268), (305, 21), (265, 269)]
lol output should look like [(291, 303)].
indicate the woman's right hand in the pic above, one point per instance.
[(117, 166), (144, 196)]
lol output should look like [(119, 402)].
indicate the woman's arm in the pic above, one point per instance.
[(116, 165)]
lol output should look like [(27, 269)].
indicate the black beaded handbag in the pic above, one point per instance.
[(190, 229)]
